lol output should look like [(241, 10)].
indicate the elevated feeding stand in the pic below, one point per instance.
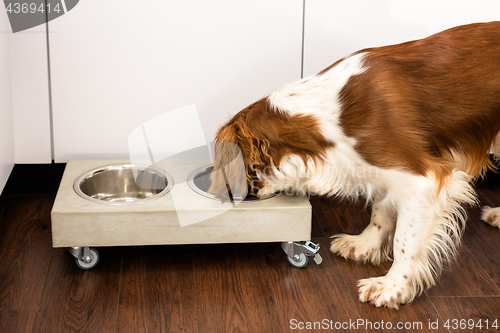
[(180, 216)]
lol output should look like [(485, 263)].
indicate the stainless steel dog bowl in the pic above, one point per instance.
[(123, 184), (199, 181)]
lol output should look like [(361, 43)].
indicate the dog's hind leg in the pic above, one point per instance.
[(428, 230), (374, 244), (491, 216)]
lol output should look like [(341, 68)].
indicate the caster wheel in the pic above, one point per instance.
[(94, 255), (299, 261)]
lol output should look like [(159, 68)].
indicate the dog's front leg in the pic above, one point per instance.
[(400, 284), (374, 244), (428, 229)]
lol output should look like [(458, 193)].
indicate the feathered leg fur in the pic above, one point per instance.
[(428, 231)]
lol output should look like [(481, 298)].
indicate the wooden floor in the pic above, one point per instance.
[(230, 287)]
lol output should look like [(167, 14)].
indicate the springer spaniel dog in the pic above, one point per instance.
[(406, 126)]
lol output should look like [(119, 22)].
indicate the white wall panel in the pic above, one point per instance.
[(336, 28), (30, 95), (116, 64), (6, 122)]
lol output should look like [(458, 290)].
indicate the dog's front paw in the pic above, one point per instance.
[(385, 291), (491, 216), (358, 249)]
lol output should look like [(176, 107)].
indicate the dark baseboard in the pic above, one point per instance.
[(45, 178), (34, 179)]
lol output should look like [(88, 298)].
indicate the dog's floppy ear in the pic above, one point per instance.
[(229, 171), (237, 152)]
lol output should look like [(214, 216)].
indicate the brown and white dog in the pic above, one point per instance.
[(406, 126)]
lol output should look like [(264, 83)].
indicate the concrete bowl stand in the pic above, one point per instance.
[(178, 217)]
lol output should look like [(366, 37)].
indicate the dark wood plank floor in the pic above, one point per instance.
[(228, 287)]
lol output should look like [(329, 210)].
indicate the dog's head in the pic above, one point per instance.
[(240, 149), (260, 136)]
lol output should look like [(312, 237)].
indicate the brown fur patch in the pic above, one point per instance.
[(420, 102), (296, 134)]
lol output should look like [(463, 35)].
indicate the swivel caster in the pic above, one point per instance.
[(85, 257), (298, 260), (299, 253)]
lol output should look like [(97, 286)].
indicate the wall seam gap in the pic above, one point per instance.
[(303, 38), (51, 114)]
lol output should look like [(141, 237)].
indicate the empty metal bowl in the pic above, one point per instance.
[(199, 181), (123, 184)]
